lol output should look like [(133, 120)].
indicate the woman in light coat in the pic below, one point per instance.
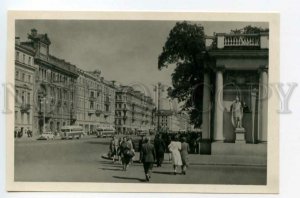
[(174, 148)]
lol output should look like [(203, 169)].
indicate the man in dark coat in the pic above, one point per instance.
[(160, 148), (148, 157)]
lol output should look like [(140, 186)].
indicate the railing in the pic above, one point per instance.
[(98, 112), (25, 107), (106, 113), (92, 98), (231, 41), (47, 114), (91, 111), (241, 40)]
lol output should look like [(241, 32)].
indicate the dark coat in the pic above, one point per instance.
[(148, 153), (159, 145)]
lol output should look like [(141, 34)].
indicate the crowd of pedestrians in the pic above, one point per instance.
[(122, 150), (19, 132), (178, 146)]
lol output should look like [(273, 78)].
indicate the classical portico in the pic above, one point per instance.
[(239, 64)]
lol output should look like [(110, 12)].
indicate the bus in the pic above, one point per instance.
[(71, 132), (105, 132)]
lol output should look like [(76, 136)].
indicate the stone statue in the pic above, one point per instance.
[(237, 113)]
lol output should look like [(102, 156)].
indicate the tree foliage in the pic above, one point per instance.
[(185, 48), (249, 30)]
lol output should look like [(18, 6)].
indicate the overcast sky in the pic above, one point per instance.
[(125, 51)]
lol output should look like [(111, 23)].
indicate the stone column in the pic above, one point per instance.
[(218, 118), (263, 104), (206, 106)]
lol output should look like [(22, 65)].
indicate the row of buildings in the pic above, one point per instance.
[(51, 93)]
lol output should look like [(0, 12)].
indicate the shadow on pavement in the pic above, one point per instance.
[(163, 172), (130, 178), (112, 169), (95, 142)]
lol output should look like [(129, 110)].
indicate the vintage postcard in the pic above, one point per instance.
[(142, 102)]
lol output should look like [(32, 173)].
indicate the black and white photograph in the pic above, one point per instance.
[(143, 102)]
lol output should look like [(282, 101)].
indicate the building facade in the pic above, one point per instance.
[(134, 111), (95, 101), (237, 70), (24, 86), (54, 88), (172, 121)]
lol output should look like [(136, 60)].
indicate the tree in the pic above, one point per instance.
[(185, 48), (249, 30)]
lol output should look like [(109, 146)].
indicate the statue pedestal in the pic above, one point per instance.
[(240, 135)]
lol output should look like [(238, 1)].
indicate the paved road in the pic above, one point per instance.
[(80, 161)]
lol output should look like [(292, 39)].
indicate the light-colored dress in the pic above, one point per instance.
[(175, 148)]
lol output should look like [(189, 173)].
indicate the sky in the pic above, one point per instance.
[(125, 51)]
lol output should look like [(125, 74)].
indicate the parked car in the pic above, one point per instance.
[(48, 135)]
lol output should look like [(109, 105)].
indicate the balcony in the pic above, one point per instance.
[(25, 108), (91, 111), (73, 117), (48, 114), (98, 112), (106, 113), (42, 81), (92, 98), (237, 41)]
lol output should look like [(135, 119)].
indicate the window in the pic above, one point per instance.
[(91, 105), (28, 98), (17, 56), (17, 96), (16, 117), (23, 58), (23, 77), (29, 78), (28, 118), (17, 74), (29, 60), (23, 97), (22, 118)]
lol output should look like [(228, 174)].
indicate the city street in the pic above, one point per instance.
[(81, 161)]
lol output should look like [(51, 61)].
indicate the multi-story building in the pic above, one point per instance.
[(173, 121), (95, 101), (24, 85), (134, 111), (54, 97)]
